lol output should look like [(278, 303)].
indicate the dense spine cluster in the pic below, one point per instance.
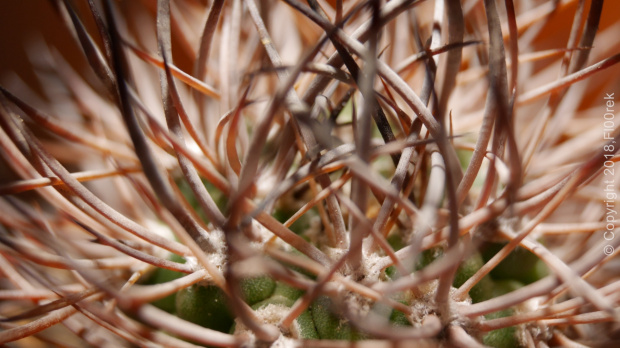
[(288, 174)]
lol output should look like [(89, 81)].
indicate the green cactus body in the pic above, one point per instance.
[(300, 225), (521, 264), (285, 296), (428, 256), (505, 337), (501, 287), (329, 325), (285, 290), (398, 318), (483, 290), (205, 305), (257, 289), (502, 338), (307, 329), (162, 275)]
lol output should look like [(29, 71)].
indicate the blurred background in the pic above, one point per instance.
[(25, 24)]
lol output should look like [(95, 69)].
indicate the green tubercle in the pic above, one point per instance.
[(483, 290), (257, 289), (285, 290), (521, 264), (285, 295), (204, 305), (307, 329), (502, 338), (162, 275), (329, 325), (207, 305)]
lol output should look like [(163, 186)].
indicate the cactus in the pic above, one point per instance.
[(208, 173)]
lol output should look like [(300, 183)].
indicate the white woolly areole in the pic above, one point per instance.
[(423, 304), (334, 254), (281, 342), (359, 305), (218, 257), (536, 329), (371, 268), (271, 314)]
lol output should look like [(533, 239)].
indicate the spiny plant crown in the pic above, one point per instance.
[(281, 173)]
